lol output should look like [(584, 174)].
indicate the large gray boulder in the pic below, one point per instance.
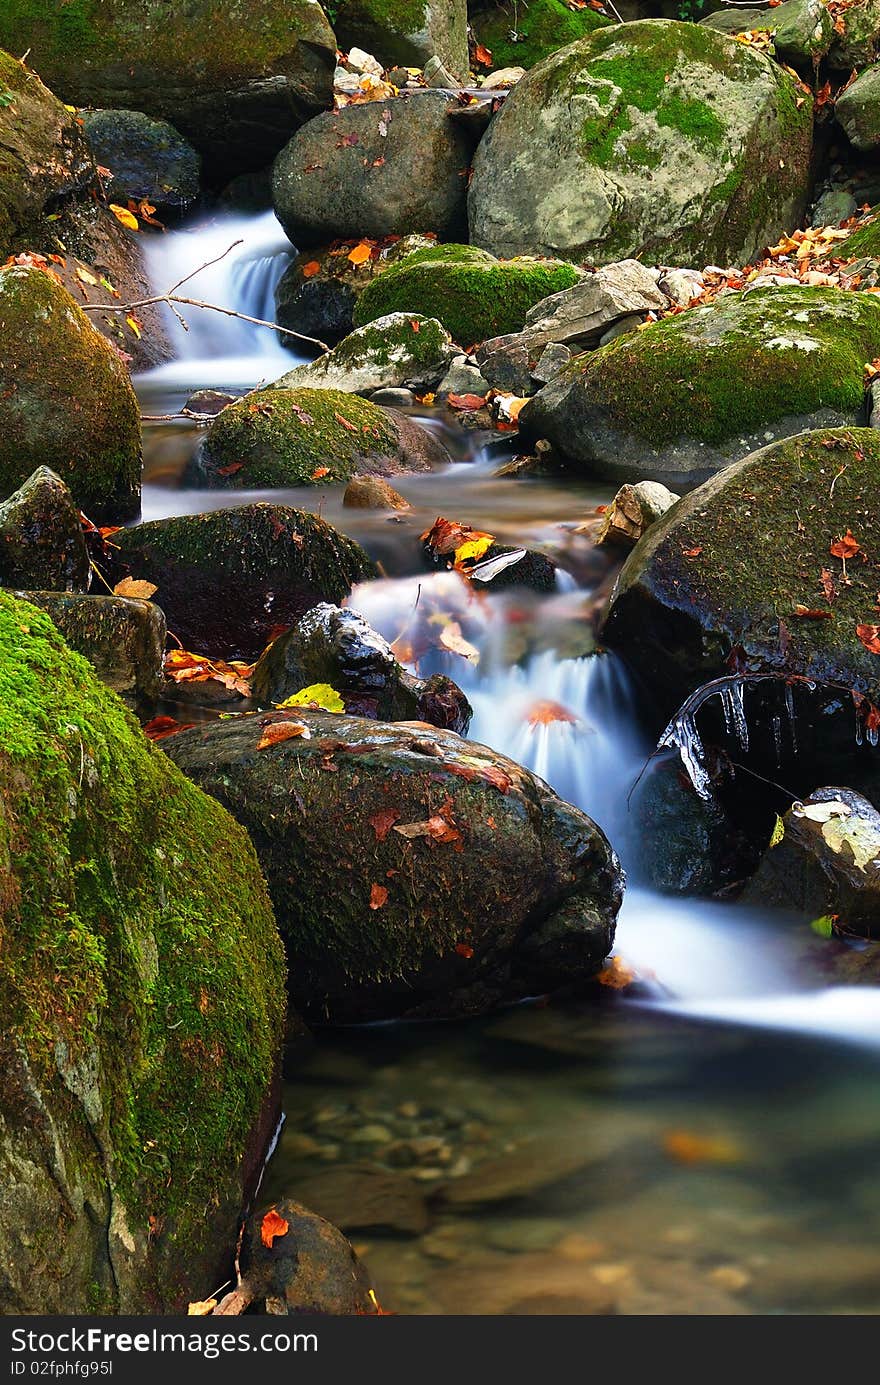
[(858, 109), (147, 157), (802, 30), (376, 169), (664, 140), (407, 32), (402, 349), (41, 538)]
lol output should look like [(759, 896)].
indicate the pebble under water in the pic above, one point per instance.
[(708, 1148)]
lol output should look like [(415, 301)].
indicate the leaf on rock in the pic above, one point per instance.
[(870, 637), (847, 547), (130, 586), (808, 613), (690, 1147), (278, 731), (311, 269), (382, 822), (272, 1227), (361, 253), (824, 926), (318, 697), (482, 55), (124, 216), (828, 586), (464, 950), (466, 401), (202, 1308), (857, 838), (378, 895), (778, 832), (822, 812), (160, 727), (616, 975), (320, 471)]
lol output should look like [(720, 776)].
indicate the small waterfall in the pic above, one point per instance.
[(218, 351)]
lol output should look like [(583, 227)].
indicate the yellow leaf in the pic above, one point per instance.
[(201, 1309), (85, 276), (126, 217), (134, 325), (474, 548), (130, 586), (778, 831), (319, 695)]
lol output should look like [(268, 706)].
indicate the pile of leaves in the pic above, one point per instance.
[(183, 667)]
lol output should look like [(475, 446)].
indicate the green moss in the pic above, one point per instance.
[(421, 339), (474, 295), (712, 372), (541, 27), (389, 18), (864, 243), (137, 944), (281, 437), (65, 398)]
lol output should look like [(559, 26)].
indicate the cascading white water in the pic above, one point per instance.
[(214, 350)]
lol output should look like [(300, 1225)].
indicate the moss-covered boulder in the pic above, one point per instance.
[(141, 985), (687, 396), (122, 637), (41, 538), (656, 139), (406, 32), (308, 437), (147, 157), (43, 152), (412, 872), (474, 295), (375, 169), (742, 572), (402, 349), (66, 401), (858, 110), (231, 580), (801, 30), (520, 36), (234, 78), (857, 40)]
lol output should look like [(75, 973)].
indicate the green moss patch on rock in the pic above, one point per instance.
[(307, 437), (688, 395), (141, 982), (517, 893), (402, 349), (541, 28), (66, 401), (407, 32), (656, 139), (474, 295), (728, 566)]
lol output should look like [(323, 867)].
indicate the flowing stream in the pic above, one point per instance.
[(710, 1147)]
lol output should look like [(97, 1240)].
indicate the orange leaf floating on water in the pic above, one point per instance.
[(361, 253), (183, 667), (378, 896), (616, 975), (160, 727), (382, 822), (278, 731), (847, 547), (870, 637), (272, 1226), (544, 713), (690, 1147), (129, 586), (311, 269)]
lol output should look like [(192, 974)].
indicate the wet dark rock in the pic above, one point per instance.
[(337, 646), (122, 638), (825, 863), (230, 580), (311, 1268), (507, 363), (359, 1197), (632, 512), (374, 169), (494, 888), (373, 493), (148, 158), (209, 402), (533, 570), (41, 538)]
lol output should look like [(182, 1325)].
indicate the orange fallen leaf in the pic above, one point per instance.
[(482, 55), (230, 470), (870, 637), (464, 950), (378, 896), (361, 253), (806, 613), (124, 216), (692, 552), (689, 1147), (466, 401), (130, 586), (382, 822), (320, 471), (616, 975), (160, 727), (311, 269), (346, 423), (201, 1308), (272, 1226), (847, 547), (278, 731)]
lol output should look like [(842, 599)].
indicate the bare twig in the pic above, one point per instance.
[(172, 297)]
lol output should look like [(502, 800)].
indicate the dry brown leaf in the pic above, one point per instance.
[(278, 731), (131, 586)]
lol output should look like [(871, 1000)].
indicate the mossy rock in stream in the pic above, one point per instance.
[(229, 581), (310, 437), (474, 295), (44, 156), (400, 350), (666, 141), (541, 28), (412, 872), (685, 397), (66, 401), (728, 573), (234, 76), (141, 987)]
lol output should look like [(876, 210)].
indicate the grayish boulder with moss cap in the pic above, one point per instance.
[(147, 157), (408, 32), (492, 888), (402, 349), (123, 639), (679, 400), (858, 109), (802, 30), (728, 566), (41, 538), (142, 1001), (655, 139), (66, 400)]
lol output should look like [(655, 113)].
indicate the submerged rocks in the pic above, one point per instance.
[(126, 1145), (230, 580), (148, 158), (338, 647), (234, 80), (743, 568), (41, 538), (402, 349), (374, 169), (687, 396), (302, 437), (824, 862), (474, 295), (66, 401), (666, 140), (412, 872), (123, 639), (373, 493)]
